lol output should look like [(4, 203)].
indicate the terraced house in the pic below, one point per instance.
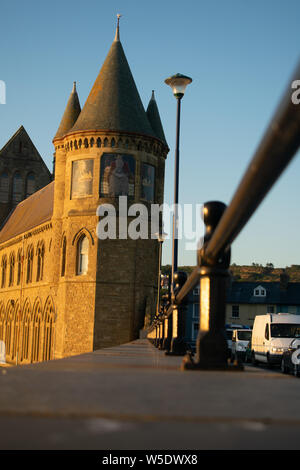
[(63, 290)]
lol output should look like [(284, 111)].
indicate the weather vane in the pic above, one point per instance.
[(118, 16)]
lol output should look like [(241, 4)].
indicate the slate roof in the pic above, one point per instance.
[(114, 103), (33, 211), (70, 115), (242, 293), (154, 119)]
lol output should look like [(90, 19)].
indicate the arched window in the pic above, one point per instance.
[(40, 261), (17, 188), (3, 271), (11, 269), (105, 143), (86, 143), (30, 184), (16, 333), (29, 259), (19, 266), (8, 332), (63, 257), (82, 255), (26, 331), (49, 330), (92, 141), (36, 334), (113, 142), (98, 142), (4, 187), (2, 321)]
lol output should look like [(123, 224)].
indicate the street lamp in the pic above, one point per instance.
[(160, 238), (178, 83)]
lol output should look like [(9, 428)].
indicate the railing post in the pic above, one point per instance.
[(211, 346), (178, 344)]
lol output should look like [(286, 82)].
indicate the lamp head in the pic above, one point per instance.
[(178, 83)]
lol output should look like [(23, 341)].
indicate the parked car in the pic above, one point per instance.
[(272, 335), (240, 341), (230, 328), (288, 364)]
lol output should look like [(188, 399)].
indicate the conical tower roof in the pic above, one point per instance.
[(70, 115), (114, 102), (154, 119)]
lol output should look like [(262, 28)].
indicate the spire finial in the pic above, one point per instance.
[(153, 97), (74, 87), (117, 36)]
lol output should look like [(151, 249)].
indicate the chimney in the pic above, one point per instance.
[(284, 280)]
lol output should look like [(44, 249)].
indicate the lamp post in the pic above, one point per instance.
[(178, 83)]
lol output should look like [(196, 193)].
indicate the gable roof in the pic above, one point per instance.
[(33, 211), (5, 151)]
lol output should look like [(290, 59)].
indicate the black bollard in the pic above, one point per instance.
[(211, 345), (178, 345)]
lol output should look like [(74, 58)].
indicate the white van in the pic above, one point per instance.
[(271, 336)]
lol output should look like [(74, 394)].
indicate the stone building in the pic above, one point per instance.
[(22, 172), (64, 291)]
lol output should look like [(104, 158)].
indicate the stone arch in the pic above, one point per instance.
[(16, 331), (49, 329), (82, 231), (3, 270), (10, 310), (26, 333), (2, 320), (36, 330)]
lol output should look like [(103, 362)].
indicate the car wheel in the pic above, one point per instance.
[(270, 365), (296, 371), (253, 360), (283, 367)]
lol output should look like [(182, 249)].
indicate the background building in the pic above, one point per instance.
[(63, 290), (22, 172)]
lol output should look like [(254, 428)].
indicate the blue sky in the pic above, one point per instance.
[(240, 55)]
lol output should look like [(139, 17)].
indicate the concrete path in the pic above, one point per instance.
[(134, 397)]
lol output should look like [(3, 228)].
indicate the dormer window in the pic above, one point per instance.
[(260, 292)]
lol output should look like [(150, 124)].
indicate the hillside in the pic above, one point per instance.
[(252, 273)]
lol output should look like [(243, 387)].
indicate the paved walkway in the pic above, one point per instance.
[(134, 397)]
